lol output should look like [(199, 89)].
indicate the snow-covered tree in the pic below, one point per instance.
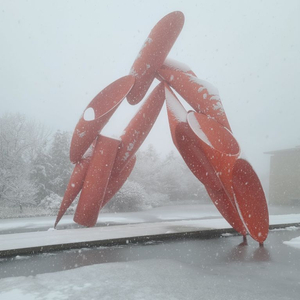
[(167, 179), (58, 165), (131, 197), (51, 203), (147, 167), (20, 141), (39, 175)]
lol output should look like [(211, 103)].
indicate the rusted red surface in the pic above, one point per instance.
[(74, 187), (153, 53), (250, 200), (218, 144), (201, 95), (140, 125), (202, 136), (96, 181), (117, 179), (103, 106), (227, 209)]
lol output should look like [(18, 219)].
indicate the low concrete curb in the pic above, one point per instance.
[(197, 234)]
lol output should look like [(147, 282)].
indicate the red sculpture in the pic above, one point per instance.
[(203, 137)]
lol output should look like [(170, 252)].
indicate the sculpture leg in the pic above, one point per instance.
[(96, 181)]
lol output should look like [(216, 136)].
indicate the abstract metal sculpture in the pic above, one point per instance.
[(203, 137)]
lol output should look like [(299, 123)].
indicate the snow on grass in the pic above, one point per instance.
[(295, 242), (284, 219), (163, 220), (174, 212), (290, 228), (227, 234), (32, 222), (159, 214)]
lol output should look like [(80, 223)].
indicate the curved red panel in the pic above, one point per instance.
[(250, 200), (192, 147), (203, 138), (198, 163), (103, 106), (176, 112), (139, 127), (117, 180), (187, 143), (75, 183), (195, 158), (201, 166), (219, 146), (227, 209), (201, 95), (74, 187), (96, 181), (153, 54)]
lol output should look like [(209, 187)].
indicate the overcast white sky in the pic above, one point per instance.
[(57, 55)]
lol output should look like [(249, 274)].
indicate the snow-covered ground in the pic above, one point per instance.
[(145, 278), (164, 220), (295, 242), (207, 269), (166, 213), (135, 280), (160, 214)]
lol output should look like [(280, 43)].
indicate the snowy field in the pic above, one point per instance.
[(38, 232), (148, 278), (160, 214)]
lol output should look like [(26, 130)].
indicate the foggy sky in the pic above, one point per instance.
[(57, 55)]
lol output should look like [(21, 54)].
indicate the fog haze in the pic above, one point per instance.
[(57, 55)]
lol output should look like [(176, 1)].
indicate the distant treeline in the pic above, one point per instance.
[(35, 170)]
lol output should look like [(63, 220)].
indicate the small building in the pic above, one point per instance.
[(284, 188)]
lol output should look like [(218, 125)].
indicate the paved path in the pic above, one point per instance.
[(34, 242), (219, 268)]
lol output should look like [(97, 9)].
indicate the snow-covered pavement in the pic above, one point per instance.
[(164, 222), (220, 268)]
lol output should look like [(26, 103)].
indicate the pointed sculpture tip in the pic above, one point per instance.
[(56, 222)]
